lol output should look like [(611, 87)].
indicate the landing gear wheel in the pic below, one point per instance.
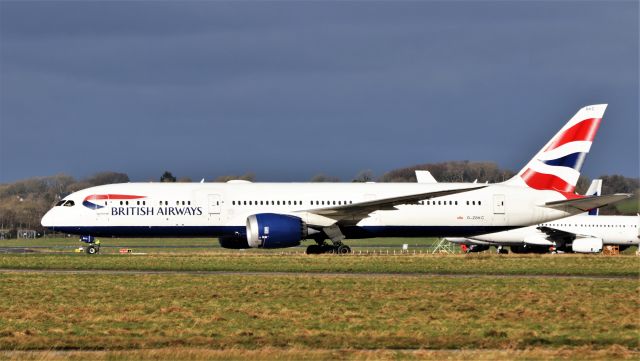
[(91, 250), (343, 249), (325, 248), (314, 249)]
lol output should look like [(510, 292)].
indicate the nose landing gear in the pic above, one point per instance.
[(93, 245)]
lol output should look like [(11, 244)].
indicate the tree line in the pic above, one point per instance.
[(24, 202)]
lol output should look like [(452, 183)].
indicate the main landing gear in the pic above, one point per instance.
[(336, 236), (328, 248)]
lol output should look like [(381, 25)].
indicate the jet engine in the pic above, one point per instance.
[(272, 230), (587, 245)]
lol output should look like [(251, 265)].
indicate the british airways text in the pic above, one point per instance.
[(158, 211)]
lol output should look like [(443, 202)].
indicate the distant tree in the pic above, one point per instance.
[(167, 177), (619, 184), (184, 180), (319, 178), (225, 178), (363, 176), (58, 186), (101, 178), (583, 185), (456, 171)]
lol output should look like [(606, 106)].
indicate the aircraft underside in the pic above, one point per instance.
[(234, 237)]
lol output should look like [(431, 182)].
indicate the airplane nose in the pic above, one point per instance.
[(47, 219)]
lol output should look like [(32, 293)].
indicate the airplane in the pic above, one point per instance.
[(583, 233), (579, 234), (242, 214), (475, 244)]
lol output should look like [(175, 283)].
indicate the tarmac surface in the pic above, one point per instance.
[(16, 250), (309, 274)]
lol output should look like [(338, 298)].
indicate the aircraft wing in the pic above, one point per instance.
[(587, 203), (355, 212), (554, 234), (558, 235)]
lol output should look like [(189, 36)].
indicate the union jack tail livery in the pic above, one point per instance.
[(557, 165)]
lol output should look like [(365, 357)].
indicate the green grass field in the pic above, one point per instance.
[(334, 316), (491, 264), (193, 245), (630, 206), (315, 312), (207, 245)]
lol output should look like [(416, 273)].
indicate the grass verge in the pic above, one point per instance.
[(45, 312), (587, 265), (269, 353)]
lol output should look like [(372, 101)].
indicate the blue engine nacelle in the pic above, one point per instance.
[(272, 230)]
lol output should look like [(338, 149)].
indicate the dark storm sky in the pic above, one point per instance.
[(289, 90)]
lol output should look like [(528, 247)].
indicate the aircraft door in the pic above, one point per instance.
[(214, 206), (499, 216), (498, 204)]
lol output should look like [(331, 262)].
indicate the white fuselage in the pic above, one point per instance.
[(221, 209), (613, 230)]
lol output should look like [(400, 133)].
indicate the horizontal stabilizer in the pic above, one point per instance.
[(424, 176), (587, 203)]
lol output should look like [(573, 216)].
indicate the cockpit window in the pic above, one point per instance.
[(69, 204), (60, 203)]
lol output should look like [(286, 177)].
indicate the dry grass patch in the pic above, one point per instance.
[(580, 353), (124, 312)]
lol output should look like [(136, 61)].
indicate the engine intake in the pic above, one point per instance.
[(272, 230)]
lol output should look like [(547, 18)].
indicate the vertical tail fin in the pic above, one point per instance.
[(595, 189), (557, 165)]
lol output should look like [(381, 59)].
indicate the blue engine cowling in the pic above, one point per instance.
[(272, 230)]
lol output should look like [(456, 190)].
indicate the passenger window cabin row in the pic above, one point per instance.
[(338, 203), (144, 203), (450, 203), (70, 203), (588, 225)]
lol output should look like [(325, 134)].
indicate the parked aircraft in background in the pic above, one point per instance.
[(584, 233), (276, 215)]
